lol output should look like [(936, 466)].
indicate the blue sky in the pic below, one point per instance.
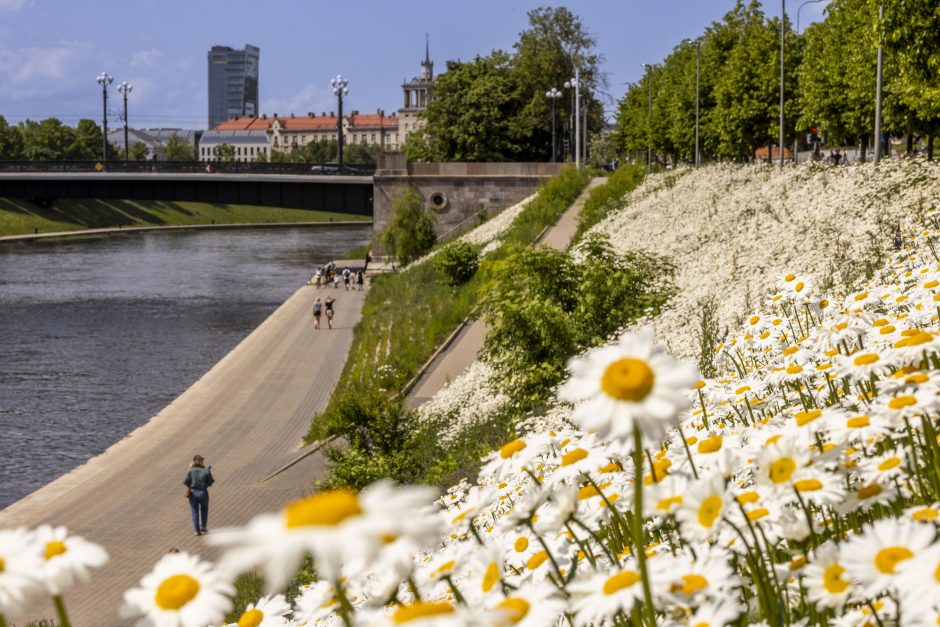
[(52, 50)]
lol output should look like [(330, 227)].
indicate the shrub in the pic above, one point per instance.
[(410, 233), (610, 196), (457, 262)]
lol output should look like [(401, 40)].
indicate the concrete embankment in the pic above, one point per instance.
[(246, 416), (30, 237)]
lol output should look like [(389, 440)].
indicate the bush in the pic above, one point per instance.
[(544, 307), (457, 262), (410, 233)]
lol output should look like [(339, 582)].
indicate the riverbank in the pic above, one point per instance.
[(21, 217)]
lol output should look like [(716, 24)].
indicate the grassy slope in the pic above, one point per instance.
[(21, 216)]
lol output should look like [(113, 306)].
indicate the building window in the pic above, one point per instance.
[(373, 138)]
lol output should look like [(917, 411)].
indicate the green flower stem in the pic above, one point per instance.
[(688, 453), (809, 517), (639, 546), (60, 611), (561, 578), (701, 398), (3, 621)]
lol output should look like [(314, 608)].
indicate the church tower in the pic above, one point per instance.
[(417, 95)]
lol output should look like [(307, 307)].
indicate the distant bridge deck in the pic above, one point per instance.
[(319, 192)]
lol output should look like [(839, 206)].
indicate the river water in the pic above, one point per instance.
[(98, 335)]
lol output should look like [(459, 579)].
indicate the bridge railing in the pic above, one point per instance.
[(192, 167)]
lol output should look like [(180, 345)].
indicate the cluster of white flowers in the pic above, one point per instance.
[(465, 399), (730, 228), (43, 561)]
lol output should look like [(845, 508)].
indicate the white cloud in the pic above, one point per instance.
[(311, 97), (12, 5), (144, 57), (22, 65)]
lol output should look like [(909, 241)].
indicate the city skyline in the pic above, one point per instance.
[(52, 51)]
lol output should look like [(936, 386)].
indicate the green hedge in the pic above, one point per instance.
[(610, 196)]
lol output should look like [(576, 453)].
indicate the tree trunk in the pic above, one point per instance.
[(910, 144), (930, 147), (863, 149)]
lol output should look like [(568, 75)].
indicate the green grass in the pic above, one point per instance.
[(18, 217)]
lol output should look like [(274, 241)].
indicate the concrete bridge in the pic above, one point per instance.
[(342, 194)]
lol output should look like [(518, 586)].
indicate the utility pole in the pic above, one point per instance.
[(783, 30), (104, 79), (881, 15), (125, 88)]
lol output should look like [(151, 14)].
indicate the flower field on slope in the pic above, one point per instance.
[(800, 486)]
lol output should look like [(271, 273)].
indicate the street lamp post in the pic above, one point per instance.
[(698, 50), (881, 15), (796, 139), (783, 30), (104, 79), (570, 85), (553, 95), (649, 119), (339, 90), (125, 88)]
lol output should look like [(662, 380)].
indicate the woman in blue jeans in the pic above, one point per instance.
[(197, 481)]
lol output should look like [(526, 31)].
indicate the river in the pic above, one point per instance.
[(99, 334)]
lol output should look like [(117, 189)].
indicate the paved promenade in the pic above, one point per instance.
[(246, 416), (463, 351)]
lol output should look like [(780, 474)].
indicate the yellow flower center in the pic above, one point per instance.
[(587, 492), (869, 491), (920, 337), (754, 320), (861, 296), (623, 579), (3, 565), (421, 609), (490, 577), (782, 469), (748, 497), (808, 485), (251, 618), (790, 350), (888, 330), (667, 503), (710, 445), (446, 567), (573, 456), (628, 379), (176, 591), (693, 583), (514, 609), (931, 284), (888, 464), (709, 511), (887, 558), (757, 514), (857, 422), (521, 544), (918, 377), (323, 509), (742, 390), (537, 560), (508, 450), (900, 402), (789, 277), (866, 359), (799, 287), (921, 515), (795, 369), (54, 548), (833, 581), (805, 417), (611, 467)]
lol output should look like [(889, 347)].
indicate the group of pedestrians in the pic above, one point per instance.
[(318, 310), (328, 275)]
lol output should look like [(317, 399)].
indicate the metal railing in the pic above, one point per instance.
[(190, 167)]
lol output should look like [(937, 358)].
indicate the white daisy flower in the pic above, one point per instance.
[(919, 582), (20, 566), (267, 612), (68, 559), (530, 605), (702, 509), (825, 578), (633, 382), (874, 556), (180, 591), (599, 596)]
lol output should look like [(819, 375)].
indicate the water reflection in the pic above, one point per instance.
[(98, 335)]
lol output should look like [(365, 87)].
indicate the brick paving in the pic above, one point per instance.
[(246, 416)]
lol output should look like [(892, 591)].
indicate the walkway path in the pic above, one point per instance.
[(453, 361), (246, 416)]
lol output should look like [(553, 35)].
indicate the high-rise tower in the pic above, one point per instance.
[(233, 83)]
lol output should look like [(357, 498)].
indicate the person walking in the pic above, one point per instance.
[(329, 310), (197, 481), (317, 310), (360, 279), (346, 274)]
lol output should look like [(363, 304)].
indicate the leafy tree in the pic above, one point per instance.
[(85, 143), (48, 140), (224, 153), (361, 154), (178, 149), (11, 142), (139, 152), (410, 232)]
